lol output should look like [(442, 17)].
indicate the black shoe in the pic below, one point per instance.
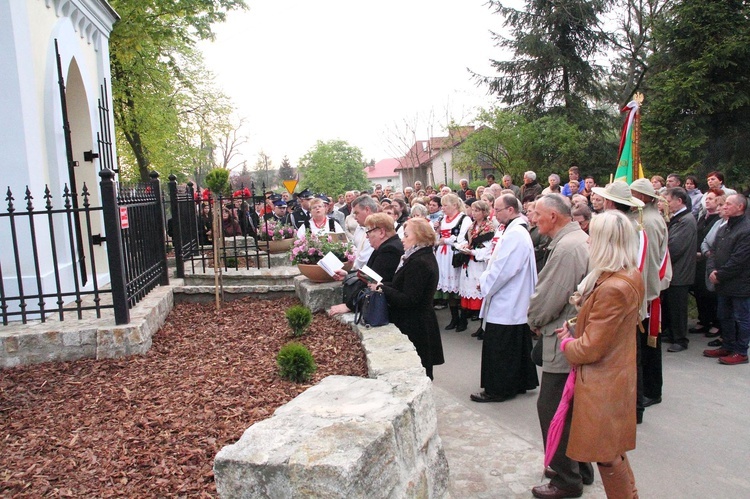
[(676, 347), (552, 491), (714, 334), (486, 397), (714, 343), (698, 330), (647, 402), (638, 417), (480, 336), (478, 332)]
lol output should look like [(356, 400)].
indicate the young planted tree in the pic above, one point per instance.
[(217, 181)]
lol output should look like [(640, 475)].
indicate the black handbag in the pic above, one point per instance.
[(460, 259), (371, 309), (351, 288)]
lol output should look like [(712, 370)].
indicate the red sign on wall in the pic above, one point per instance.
[(124, 223)]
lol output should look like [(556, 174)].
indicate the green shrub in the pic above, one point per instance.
[(231, 262), (295, 362), (217, 180), (299, 319)]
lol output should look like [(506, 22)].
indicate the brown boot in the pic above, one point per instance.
[(616, 477), (631, 475)]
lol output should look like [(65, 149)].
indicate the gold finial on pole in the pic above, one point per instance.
[(638, 97)]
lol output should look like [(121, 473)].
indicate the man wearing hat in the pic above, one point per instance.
[(683, 239), (657, 272), (617, 196), (278, 214), (302, 213)]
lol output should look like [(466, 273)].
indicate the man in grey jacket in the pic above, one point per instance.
[(567, 264)]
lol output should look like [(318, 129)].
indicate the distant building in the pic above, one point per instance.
[(383, 172), (431, 161)]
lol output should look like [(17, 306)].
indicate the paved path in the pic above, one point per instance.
[(695, 444)]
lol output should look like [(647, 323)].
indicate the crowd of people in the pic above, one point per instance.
[(566, 276), (572, 276)]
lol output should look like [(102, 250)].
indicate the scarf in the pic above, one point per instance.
[(409, 253), (479, 229)]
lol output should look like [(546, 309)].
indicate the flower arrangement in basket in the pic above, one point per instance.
[(311, 249), (271, 230)]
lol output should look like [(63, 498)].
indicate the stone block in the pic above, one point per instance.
[(343, 438), (317, 296), (6, 362), (52, 338), (71, 338), (10, 344)]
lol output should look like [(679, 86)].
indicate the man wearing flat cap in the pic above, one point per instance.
[(657, 272)]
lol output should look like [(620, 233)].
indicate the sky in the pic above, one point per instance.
[(300, 71)]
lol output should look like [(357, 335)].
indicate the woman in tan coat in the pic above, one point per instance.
[(604, 350)]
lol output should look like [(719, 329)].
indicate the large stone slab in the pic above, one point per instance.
[(343, 438)]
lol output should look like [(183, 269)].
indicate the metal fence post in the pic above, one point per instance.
[(111, 214), (176, 226), (156, 186)]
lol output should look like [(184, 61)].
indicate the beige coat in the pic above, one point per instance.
[(603, 425), (656, 232), (567, 264)]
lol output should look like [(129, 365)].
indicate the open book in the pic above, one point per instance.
[(368, 275), (331, 263)]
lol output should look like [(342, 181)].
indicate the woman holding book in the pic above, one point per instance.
[(386, 255), (411, 293)]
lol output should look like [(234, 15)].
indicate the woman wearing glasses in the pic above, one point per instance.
[(386, 255)]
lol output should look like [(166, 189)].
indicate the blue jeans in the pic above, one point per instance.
[(734, 316)]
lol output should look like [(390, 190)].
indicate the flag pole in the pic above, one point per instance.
[(637, 169)]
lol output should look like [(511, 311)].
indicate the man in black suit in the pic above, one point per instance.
[(302, 213)]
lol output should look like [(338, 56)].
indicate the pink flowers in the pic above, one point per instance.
[(310, 249)]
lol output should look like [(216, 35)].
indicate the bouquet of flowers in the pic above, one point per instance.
[(271, 230), (311, 249)]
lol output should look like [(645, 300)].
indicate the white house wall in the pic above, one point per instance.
[(32, 142), (442, 168)]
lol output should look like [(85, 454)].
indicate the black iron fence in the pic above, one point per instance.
[(44, 270), (41, 266), (191, 229), (134, 223)]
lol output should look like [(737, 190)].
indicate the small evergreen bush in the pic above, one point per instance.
[(231, 262), (299, 318), (217, 180), (295, 362)]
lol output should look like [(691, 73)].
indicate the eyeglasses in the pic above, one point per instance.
[(367, 231)]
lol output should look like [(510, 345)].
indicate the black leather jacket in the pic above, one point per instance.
[(732, 257)]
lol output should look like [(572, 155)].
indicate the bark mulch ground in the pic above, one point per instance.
[(150, 426)]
